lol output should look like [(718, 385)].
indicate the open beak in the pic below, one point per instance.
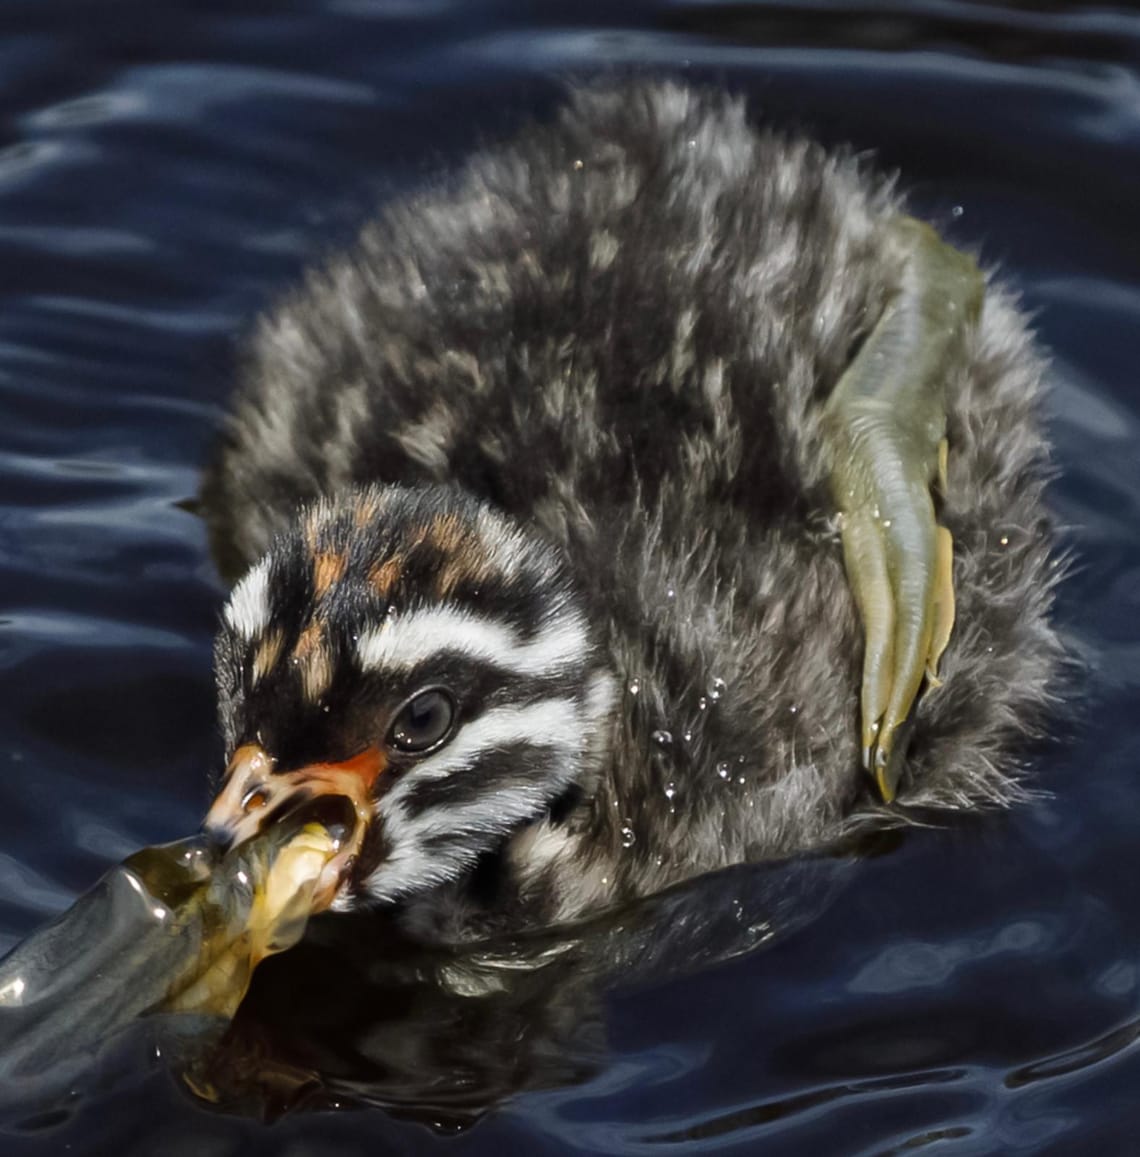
[(339, 795)]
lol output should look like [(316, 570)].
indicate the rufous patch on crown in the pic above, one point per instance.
[(464, 558), (266, 655), (312, 659), (384, 575), (447, 534), (328, 569)]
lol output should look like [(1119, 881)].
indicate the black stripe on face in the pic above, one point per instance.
[(476, 684), (527, 690), (498, 769), (522, 602)]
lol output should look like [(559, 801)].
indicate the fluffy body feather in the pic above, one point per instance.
[(615, 335)]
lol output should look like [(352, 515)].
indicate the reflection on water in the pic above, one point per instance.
[(164, 171), (443, 1037)]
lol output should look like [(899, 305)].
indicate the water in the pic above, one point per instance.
[(166, 169)]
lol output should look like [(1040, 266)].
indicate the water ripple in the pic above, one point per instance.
[(763, 1113), (166, 169), (1074, 1060)]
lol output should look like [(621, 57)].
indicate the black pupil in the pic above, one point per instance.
[(423, 722)]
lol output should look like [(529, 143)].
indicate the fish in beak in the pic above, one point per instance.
[(338, 795)]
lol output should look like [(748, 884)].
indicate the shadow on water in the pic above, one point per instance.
[(165, 170)]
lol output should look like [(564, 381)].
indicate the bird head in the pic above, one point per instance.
[(415, 670)]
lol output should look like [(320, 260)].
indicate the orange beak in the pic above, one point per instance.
[(253, 796)]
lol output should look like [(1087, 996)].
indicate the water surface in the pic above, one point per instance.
[(167, 168)]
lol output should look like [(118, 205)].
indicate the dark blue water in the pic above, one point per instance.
[(167, 168)]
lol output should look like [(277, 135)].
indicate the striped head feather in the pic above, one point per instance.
[(423, 626)]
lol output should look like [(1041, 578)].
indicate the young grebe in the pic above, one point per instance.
[(602, 512)]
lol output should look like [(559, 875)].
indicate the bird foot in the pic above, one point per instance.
[(885, 425), (899, 565)]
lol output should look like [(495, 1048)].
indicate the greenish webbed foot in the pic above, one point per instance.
[(885, 425)]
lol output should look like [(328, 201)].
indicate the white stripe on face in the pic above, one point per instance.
[(407, 640), (600, 695), (247, 611), (501, 808), (409, 868)]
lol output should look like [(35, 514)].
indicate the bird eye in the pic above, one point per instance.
[(423, 722)]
